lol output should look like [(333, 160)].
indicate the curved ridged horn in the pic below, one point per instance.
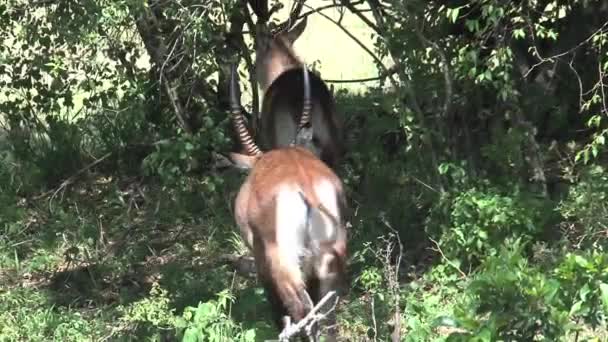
[(237, 116), (306, 102)]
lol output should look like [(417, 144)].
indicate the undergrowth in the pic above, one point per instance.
[(110, 255)]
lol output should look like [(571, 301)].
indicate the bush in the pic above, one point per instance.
[(480, 220), (208, 321), (586, 210), (511, 300), (584, 286)]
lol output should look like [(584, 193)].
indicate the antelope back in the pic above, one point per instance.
[(289, 211), (282, 110)]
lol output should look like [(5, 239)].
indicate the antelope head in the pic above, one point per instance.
[(274, 46)]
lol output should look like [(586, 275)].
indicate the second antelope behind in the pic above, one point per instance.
[(279, 74)]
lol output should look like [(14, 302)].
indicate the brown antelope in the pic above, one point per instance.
[(289, 212), (279, 74)]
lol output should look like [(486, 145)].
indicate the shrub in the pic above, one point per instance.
[(480, 220), (513, 301), (208, 321), (585, 208), (584, 286)]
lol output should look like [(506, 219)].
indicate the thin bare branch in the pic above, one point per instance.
[(601, 75), (71, 179), (444, 67), (157, 50), (438, 249), (255, 112), (394, 279), (354, 10), (543, 60), (390, 71), (365, 48), (310, 319)]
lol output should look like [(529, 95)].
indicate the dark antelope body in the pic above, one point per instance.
[(289, 212), (279, 74)]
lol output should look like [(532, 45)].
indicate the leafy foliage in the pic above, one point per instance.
[(481, 221), (482, 149), (515, 300)]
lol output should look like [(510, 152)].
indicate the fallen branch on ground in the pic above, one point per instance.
[(309, 320)]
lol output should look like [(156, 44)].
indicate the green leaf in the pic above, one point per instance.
[(472, 25), (552, 288), (584, 292), (575, 308), (445, 321), (604, 295), (580, 261), (249, 335), (191, 335), (519, 33), (453, 13)]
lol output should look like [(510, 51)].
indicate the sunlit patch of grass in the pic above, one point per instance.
[(29, 314), (237, 244)]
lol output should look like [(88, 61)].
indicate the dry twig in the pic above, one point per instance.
[(438, 249), (309, 320), (365, 48), (393, 277), (543, 60)]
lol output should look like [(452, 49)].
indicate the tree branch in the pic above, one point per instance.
[(255, 111), (444, 67), (543, 60), (390, 71), (321, 8), (147, 26), (351, 7), (310, 319), (365, 48)]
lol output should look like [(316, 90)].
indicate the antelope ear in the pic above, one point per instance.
[(296, 31), (243, 161)]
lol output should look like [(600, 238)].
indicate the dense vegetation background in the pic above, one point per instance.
[(476, 171)]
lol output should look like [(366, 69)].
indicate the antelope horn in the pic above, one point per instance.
[(306, 102), (237, 116)]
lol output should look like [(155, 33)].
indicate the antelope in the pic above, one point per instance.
[(279, 75), (289, 213)]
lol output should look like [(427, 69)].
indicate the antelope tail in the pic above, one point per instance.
[(237, 116), (314, 203)]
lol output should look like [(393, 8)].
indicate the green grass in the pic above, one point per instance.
[(94, 267), (69, 273)]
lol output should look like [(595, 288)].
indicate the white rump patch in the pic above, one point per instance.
[(322, 228), (291, 220), (299, 230)]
